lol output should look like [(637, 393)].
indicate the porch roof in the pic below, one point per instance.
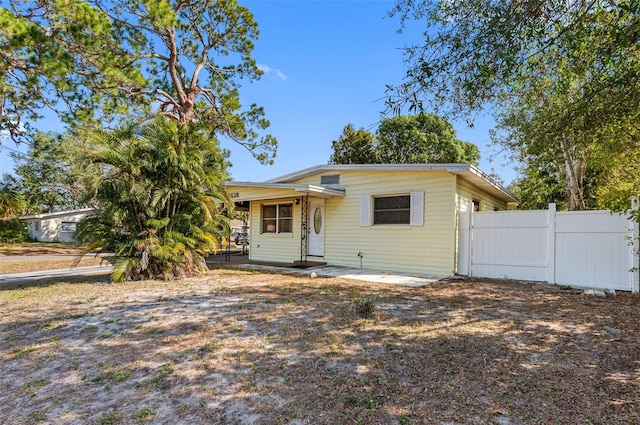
[(278, 190)]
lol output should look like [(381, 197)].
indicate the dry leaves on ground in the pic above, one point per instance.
[(240, 348)]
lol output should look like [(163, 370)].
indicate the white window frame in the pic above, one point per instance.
[(406, 210), (65, 224), (416, 215), (277, 218)]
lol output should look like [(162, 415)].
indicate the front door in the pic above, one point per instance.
[(315, 245)]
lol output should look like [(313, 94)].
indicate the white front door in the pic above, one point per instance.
[(315, 246)]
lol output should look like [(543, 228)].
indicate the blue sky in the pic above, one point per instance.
[(326, 65)]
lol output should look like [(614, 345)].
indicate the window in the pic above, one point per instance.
[(277, 218), (36, 226), (68, 226), (331, 179), (392, 209)]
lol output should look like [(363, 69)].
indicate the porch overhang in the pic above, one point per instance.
[(250, 191)]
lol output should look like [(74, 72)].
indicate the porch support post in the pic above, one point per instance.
[(304, 233)]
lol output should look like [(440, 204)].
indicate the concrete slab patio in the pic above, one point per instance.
[(367, 275)]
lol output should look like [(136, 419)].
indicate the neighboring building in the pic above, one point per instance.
[(55, 227), (381, 216)]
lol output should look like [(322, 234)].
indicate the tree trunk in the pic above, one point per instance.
[(574, 178)]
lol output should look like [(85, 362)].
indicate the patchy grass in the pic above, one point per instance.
[(249, 348), (68, 257), (41, 248)]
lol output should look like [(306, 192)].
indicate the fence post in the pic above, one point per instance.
[(551, 244), (635, 246), (470, 252)]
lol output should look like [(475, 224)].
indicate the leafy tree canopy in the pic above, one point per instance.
[(101, 60), (47, 177), (563, 78), (422, 138), (481, 51), (354, 147)]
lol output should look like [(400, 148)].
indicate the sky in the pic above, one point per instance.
[(326, 64)]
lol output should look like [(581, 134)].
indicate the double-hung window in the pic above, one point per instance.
[(277, 218)]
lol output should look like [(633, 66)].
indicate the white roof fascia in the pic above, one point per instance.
[(44, 216), (318, 169), (484, 181), (320, 191)]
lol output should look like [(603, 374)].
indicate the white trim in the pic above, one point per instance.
[(309, 189), (277, 218), (45, 216)]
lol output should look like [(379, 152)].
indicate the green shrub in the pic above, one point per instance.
[(13, 231)]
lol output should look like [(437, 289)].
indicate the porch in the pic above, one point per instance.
[(288, 221)]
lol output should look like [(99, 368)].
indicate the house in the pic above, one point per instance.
[(56, 226), (382, 216)]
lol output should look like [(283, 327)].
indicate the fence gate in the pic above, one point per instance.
[(593, 249)]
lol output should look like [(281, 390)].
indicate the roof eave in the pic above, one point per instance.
[(44, 216)]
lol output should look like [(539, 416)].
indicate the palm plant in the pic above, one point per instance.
[(9, 204), (161, 199)]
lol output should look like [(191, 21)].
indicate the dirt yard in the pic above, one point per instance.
[(253, 348)]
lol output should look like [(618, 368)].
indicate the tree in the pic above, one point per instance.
[(621, 182), (160, 197), (354, 147), (423, 138), (9, 204), (558, 74), (542, 127), (60, 55), (48, 179), (477, 52), (184, 59)]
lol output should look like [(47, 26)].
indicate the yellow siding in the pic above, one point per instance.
[(282, 247), (256, 193), (429, 249), (422, 249), (466, 192)]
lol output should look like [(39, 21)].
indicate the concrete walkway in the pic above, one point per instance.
[(367, 275), (45, 274), (241, 261)]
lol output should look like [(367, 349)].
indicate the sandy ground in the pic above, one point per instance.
[(252, 348)]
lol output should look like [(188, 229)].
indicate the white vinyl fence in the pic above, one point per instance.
[(587, 249)]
